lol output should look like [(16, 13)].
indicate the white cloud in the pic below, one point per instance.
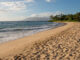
[(13, 10), (14, 6), (46, 14), (50, 0), (2, 11), (6, 18), (42, 16), (29, 1)]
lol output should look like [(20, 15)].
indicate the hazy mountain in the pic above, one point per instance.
[(37, 19)]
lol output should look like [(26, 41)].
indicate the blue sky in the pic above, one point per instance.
[(13, 10)]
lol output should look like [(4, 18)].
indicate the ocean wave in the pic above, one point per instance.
[(13, 33)]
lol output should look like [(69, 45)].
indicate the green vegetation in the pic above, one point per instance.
[(66, 18)]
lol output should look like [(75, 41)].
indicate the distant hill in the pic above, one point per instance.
[(37, 19)]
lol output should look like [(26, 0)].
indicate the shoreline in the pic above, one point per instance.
[(17, 46), (27, 33), (37, 32)]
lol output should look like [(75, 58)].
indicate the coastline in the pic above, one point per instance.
[(17, 46), (18, 31)]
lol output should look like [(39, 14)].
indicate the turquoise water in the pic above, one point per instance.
[(18, 29)]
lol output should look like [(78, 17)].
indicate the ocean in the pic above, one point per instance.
[(12, 30)]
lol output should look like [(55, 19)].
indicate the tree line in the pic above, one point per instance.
[(64, 17)]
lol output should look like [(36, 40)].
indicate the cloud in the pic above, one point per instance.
[(16, 0), (14, 10), (46, 14), (7, 18), (17, 10), (14, 6), (50, 0), (29, 1), (3, 11), (42, 16)]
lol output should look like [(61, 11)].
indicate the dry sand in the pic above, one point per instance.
[(62, 43)]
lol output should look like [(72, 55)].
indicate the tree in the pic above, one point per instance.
[(52, 17), (69, 17), (77, 16)]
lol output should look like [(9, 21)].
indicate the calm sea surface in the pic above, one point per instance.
[(18, 29)]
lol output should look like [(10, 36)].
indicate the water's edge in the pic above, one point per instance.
[(20, 34)]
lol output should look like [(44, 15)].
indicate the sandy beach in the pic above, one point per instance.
[(62, 43)]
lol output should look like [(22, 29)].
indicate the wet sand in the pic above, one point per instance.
[(62, 43)]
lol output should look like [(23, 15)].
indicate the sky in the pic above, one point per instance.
[(18, 10)]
